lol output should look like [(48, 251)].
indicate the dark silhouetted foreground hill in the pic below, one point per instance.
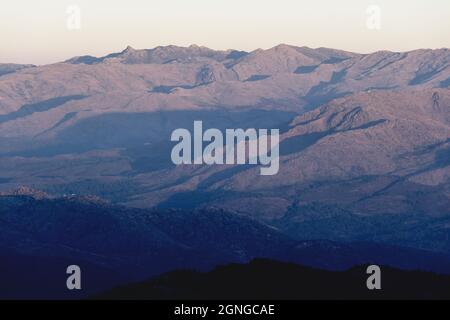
[(270, 280)]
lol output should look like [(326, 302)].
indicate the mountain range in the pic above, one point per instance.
[(364, 160), (41, 235)]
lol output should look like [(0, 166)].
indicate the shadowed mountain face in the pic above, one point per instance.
[(364, 157), (368, 154), (6, 68), (117, 245)]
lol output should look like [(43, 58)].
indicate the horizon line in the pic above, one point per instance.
[(129, 47)]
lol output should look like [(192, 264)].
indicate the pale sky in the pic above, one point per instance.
[(36, 31)]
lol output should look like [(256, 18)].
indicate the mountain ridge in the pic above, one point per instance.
[(289, 78), (364, 148), (115, 245)]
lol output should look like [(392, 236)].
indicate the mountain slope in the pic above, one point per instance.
[(7, 68), (174, 78), (364, 145), (117, 245)]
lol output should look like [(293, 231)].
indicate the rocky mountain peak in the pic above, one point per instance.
[(129, 49)]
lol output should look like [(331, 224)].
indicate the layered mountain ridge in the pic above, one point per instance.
[(192, 78), (116, 245), (363, 136), (364, 162)]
